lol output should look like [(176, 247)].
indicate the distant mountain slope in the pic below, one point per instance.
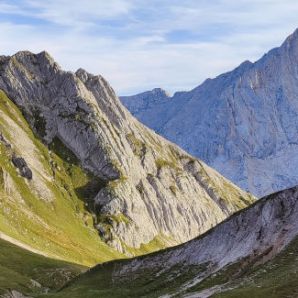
[(95, 167), (244, 123), (151, 102), (231, 257), (22, 272)]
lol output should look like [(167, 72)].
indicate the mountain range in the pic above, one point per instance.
[(84, 184), (78, 162), (243, 123)]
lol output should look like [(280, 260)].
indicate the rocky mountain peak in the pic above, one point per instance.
[(43, 60), (83, 74), (159, 92), (44, 55), (147, 189), (293, 38), (156, 94), (288, 52)]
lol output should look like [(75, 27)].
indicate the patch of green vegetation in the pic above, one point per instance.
[(61, 226), (120, 217), (102, 281), (159, 242), (117, 218), (138, 147), (86, 184), (229, 195), (173, 189), (115, 183), (9, 108), (219, 278), (160, 163), (106, 222), (30, 273), (1, 178), (275, 279)]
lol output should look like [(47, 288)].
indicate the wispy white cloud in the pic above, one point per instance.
[(138, 44), (76, 13), (62, 11)]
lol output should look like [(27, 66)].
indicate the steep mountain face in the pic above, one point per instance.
[(143, 192), (243, 123), (145, 100), (41, 199), (227, 261), (139, 104)]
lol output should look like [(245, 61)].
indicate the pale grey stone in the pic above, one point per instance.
[(243, 123)]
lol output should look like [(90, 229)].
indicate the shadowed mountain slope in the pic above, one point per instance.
[(26, 273), (248, 255)]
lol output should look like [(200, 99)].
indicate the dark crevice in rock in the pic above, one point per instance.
[(86, 192)]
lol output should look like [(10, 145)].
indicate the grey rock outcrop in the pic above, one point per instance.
[(242, 123), (151, 190), (20, 163), (14, 294)]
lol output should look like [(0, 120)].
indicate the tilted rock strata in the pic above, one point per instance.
[(151, 191)]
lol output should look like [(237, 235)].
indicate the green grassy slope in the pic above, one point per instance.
[(99, 282), (277, 278), (249, 277), (29, 273), (47, 213)]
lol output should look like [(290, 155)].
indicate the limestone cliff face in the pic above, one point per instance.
[(218, 261), (242, 123), (148, 190)]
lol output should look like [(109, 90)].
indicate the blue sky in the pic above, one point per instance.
[(141, 44)]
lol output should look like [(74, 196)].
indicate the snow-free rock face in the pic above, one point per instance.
[(243, 123), (148, 191), (147, 101), (41, 207), (212, 263)]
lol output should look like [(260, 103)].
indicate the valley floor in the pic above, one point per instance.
[(25, 272)]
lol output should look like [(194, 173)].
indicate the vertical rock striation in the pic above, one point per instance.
[(149, 192)]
